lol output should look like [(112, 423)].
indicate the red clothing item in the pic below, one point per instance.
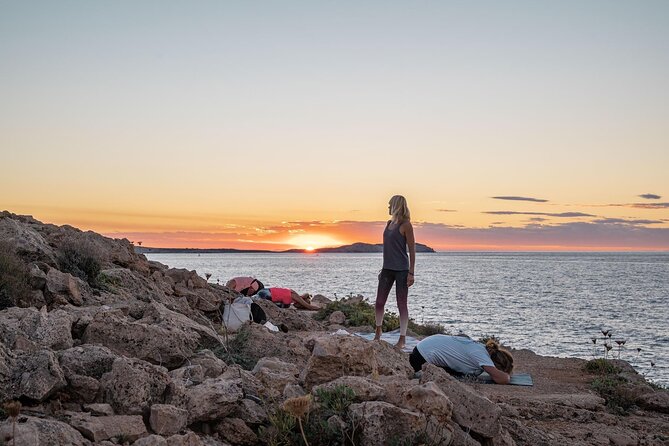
[(282, 295)]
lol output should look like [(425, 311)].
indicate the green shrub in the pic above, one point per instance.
[(14, 278), (336, 399), (600, 366), (364, 314), (236, 351), (81, 258), (613, 389)]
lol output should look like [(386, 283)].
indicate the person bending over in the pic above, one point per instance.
[(461, 356), (248, 286), (283, 297)]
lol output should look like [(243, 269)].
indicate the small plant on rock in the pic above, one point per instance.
[(600, 366), (13, 409), (14, 278), (81, 258)]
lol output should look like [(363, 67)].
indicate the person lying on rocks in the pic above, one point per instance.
[(283, 297), (462, 356), (248, 286)]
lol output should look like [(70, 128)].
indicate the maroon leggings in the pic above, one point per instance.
[(386, 279)]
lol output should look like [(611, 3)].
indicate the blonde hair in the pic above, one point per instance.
[(500, 357), (399, 209)]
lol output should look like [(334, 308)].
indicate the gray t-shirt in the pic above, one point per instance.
[(458, 353)]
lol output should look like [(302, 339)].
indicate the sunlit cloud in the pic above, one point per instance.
[(650, 196), (446, 210), (514, 198), (548, 214)]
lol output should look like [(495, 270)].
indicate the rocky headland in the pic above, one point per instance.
[(99, 346)]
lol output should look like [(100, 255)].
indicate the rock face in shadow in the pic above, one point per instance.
[(109, 348)]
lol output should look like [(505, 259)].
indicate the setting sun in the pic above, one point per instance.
[(309, 249)]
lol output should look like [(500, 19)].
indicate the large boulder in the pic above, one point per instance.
[(83, 366), (335, 356), (29, 243), (87, 360), (128, 427), (30, 329), (472, 411), (215, 398), (275, 375), (41, 431), (166, 419), (365, 389), (161, 337), (235, 431), (374, 417), (132, 385), (36, 375), (63, 288)]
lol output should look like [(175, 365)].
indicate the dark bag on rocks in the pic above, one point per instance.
[(258, 314)]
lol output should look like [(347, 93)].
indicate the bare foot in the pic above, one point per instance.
[(401, 342), (377, 335)]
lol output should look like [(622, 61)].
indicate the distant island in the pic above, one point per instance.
[(355, 248)]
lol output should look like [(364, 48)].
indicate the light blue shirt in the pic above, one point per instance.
[(458, 353)]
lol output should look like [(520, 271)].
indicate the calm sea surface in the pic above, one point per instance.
[(551, 303)]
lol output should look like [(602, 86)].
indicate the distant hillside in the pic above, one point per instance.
[(350, 249), (362, 248)]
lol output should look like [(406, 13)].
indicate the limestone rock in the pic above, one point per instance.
[(212, 366), (335, 356), (320, 300), (374, 417), (129, 427), (151, 440), (188, 375), (275, 375), (133, 384), (37, 375), (337, 317), (166, 419), (161, 337), (213, 399), (471, 410), (365, 389), (41, 328), (428, 399), (657, 401), (41, 431), (236, 432), (250, 411), (29, 243), (87, 360), (98, 410), (64, 287), (189, 439)]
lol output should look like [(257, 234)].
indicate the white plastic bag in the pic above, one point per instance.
[(236, 315)]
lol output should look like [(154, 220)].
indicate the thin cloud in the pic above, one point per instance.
[(650, 196), (514, 198), (538, 219), (650, 205), (547, 214), (625, 221), (447, 210)]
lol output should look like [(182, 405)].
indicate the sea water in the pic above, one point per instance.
[(550, 303)]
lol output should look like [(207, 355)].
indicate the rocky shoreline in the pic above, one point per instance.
[(102, 347)]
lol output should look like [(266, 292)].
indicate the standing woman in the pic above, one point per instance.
[(398, 267)]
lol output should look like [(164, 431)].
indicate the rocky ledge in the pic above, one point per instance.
[(101, 347)]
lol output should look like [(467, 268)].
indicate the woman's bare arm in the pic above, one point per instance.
[(497, 375)]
